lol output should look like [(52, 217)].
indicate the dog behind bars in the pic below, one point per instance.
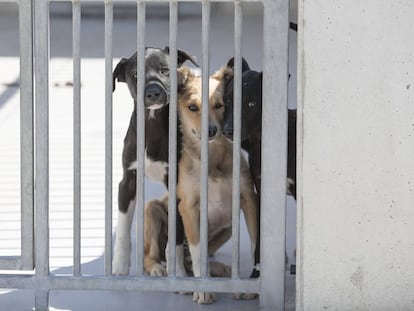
[(220, 169), (156, 100)]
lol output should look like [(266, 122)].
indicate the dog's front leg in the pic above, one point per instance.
[(122, 249), (248, 204), (191, 219), (156, 218)]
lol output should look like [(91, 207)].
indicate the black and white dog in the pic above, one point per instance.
[(251, 133), (156, 100)]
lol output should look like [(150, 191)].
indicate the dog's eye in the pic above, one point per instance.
[(251, 104), (134, 75), (165, 70), (193, 107), (218, 105)]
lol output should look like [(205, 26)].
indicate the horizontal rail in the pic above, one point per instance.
[(10, 263), (147, 1), (129, 283)]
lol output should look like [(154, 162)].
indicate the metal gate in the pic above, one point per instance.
[(25, 261), (270, 284)]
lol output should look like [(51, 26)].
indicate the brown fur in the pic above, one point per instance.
[(155, 235), (219, 170)]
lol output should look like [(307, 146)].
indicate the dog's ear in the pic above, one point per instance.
[(224, 74), (245, 65), (182, 56), (184, 75), (119, 73), (227, 74)]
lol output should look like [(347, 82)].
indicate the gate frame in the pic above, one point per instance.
[(270, 284), (26, 259)]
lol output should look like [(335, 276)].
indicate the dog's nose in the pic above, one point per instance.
[(228, 133), (212, 131), (154, 94)]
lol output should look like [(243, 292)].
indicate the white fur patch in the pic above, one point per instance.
[(152, 110), (195, 71), (195, 252), (151, 114), (154, 170), (133, 166), (122, 249), (199, 297)]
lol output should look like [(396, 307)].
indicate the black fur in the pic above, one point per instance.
[(251, 132)]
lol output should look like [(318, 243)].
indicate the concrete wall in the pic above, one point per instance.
[(356, 168)]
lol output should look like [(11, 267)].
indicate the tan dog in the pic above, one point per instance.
[(219, 172)]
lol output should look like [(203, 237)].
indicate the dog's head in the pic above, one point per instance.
[(157, 75), (190, 103), (251, 102)]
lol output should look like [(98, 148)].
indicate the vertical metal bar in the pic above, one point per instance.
[(41, 300), (26, 134), (204, 138), (42, 136), (274, 154), (141, 137), (76, 12), (172, 158), (238, 15), (108, 135)]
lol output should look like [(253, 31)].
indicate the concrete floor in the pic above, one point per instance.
[(93, 127)]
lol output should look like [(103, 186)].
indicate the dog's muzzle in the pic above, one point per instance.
[(155, 96), (212, 131), (228, 134)]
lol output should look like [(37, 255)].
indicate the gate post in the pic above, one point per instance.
[(26, 134), (274, 154), (41, 32)]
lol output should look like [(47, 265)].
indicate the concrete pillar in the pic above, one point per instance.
[(356, 155)]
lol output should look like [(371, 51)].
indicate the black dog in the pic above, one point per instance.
[(251, 132), (156, 100)]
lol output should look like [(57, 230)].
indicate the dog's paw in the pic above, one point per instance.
[(245, 296), (204, 298), (120, 265), (219, 269), (158, 270)]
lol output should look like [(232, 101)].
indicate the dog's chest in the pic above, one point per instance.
[(154, 170), (219, 204)]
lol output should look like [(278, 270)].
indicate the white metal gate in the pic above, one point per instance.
[(270, 284)]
